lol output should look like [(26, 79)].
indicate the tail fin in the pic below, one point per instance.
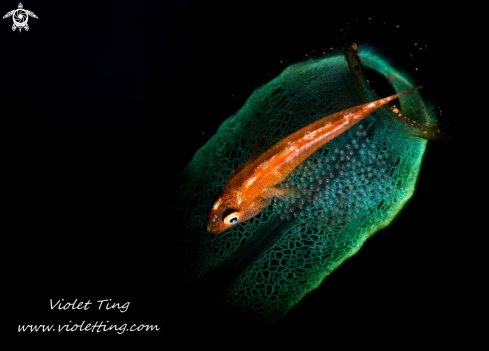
[(404, 92), (411, 127), (390, 113)]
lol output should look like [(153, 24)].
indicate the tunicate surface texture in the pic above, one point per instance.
[(350, 188)]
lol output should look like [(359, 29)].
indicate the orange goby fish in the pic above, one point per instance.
[(252, 186)]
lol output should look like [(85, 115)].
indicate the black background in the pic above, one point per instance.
[(104, 103)]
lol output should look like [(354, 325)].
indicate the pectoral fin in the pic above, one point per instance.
[(281, 192)]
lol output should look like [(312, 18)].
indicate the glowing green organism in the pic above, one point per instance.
[(351, 187)]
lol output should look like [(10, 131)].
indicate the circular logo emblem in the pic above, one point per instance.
[(20, 17)]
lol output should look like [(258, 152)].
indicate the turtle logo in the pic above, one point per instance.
[(20, 17)]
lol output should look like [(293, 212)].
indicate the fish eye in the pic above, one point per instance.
[(230, 216)]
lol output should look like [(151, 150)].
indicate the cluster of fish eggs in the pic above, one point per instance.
[(339, 188)]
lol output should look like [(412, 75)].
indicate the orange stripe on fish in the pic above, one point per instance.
[(252, 187)]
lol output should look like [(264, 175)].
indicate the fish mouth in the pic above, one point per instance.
[(214, 232), (212, 228)]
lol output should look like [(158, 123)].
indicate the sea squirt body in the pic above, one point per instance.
[(350, 188)]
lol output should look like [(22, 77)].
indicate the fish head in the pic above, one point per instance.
[(225, 212)]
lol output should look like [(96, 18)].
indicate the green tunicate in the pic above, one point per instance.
[(350, 188)]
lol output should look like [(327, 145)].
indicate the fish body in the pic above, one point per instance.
[(253, 185)]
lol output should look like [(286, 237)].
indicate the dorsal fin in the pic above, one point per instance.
[(240, 167), (254, 151), (259, 137)]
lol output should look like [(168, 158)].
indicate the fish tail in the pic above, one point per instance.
[(390, 113), (395, 96)]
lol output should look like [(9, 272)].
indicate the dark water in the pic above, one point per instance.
[(102, 108)]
